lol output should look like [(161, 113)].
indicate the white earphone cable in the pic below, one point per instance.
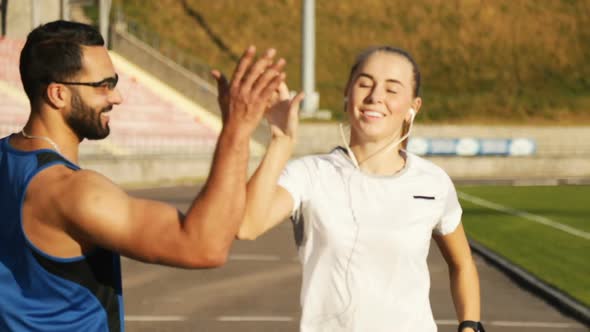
[(386, 148)]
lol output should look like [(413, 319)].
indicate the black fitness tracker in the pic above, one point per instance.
[(476, 326)]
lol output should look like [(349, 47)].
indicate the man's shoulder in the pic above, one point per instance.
[(62, 181), (80, 198), (88, 182)]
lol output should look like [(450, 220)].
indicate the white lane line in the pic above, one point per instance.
[(130, 318), (536, 324), (523, 214), (442, 322), (550, 325), (253, 257), (254, 319)]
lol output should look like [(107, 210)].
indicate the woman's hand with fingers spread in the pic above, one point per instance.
[(283, 114)]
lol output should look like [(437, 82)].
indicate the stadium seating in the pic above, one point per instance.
[(13, 112)]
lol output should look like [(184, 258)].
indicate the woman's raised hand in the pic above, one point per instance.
[(283, 113)]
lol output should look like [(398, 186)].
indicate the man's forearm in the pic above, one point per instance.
[(213, 219), (218, 210)]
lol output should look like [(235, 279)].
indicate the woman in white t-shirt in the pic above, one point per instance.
[(364, 215)]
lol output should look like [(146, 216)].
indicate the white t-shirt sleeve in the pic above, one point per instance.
[(451, 216), (295, 179)]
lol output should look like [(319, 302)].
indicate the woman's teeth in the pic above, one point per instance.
[(373, 114)]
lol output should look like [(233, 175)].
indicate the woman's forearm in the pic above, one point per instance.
[(261, 188), (465, 291)]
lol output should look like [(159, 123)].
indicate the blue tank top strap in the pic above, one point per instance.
[(45, 158)]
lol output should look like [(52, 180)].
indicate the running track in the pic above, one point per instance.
[(258, 290)]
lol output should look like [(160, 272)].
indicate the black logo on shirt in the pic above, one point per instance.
[(423, 197)]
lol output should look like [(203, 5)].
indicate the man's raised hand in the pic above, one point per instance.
[(244, 99)]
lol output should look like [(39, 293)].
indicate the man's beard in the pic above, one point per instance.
[(85, 121)]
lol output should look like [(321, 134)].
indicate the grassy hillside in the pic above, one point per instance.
[(500, 61)]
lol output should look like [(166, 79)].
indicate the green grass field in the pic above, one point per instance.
[(557, 257)]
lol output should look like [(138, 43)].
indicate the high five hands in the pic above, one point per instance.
[(256, 88)]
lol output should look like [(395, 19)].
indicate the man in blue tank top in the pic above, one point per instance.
[(63, 228)]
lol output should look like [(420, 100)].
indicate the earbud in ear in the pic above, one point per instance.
[(412, 112)]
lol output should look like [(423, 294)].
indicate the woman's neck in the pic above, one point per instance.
[(377, 159)]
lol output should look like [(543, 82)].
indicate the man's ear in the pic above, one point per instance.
[(57, 95)]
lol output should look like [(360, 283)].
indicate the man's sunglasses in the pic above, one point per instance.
[(108, 83)]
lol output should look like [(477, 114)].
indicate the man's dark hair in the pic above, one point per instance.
[(364, 55), (53, 52), (3, 14)]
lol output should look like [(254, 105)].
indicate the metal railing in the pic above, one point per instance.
[(164, 47)]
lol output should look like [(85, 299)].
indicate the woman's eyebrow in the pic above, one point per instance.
[(389, 80)]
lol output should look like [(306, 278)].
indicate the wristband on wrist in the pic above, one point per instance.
[(476, 326)]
